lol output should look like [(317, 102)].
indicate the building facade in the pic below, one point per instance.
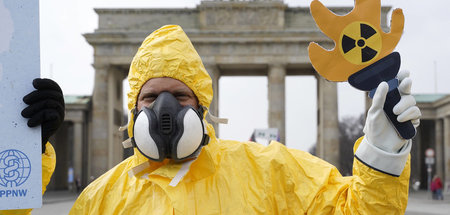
[(434, 133), (71, 143)]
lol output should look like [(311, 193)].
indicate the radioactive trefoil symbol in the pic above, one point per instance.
[(360, 43)]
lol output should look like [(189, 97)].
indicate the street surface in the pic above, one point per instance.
[(420, 203)]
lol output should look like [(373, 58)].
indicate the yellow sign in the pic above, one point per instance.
[(358, 37)]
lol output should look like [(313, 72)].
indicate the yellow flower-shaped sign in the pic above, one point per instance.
[(358, 37)]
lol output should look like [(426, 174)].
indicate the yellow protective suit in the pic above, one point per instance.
[(48, 166), (230, 177)]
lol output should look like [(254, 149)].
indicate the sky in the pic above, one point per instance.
[(66, 57)]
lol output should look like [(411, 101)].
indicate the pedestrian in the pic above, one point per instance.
[(78, 184), (70, 179), (436, 188), (179, 166)]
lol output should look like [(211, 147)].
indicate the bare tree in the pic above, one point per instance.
[(350, 129)]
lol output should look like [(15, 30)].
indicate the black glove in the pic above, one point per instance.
[(46, 107)]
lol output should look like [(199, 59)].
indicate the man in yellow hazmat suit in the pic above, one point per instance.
[(180, 167)]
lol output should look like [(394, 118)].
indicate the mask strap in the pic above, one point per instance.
[(215, 118), (181, 173), (138, 169), (127, 143), (124, 127)]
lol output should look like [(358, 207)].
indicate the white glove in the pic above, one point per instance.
[(378, 129)]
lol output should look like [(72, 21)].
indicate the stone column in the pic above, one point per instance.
[(99, 143), (328, 140), (105, 149), (447, 150), (439, 147), (276, 94), (87, 147), (77, 149), (214, 72), (115, 115)]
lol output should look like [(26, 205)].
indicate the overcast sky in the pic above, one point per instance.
[(66, 57)]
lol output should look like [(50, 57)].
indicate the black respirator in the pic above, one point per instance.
[(168, 130)]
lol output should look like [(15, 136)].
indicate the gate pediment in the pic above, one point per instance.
[(242, 15)]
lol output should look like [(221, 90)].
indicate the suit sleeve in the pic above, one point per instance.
[(48, 166), (367, 191)]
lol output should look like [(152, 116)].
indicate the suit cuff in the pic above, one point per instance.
[(382, 161)]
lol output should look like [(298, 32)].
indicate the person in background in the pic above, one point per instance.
[(436, 188), (70, 180)]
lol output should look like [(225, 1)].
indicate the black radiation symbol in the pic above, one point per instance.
[(360, 43)]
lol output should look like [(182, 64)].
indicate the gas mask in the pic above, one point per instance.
[(168, 130)]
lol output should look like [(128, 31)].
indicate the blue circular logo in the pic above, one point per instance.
[(15, 168)]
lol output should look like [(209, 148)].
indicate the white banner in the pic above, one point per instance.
[(264, 136), (20, 146)]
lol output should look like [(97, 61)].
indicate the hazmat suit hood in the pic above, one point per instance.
[(168, 52)]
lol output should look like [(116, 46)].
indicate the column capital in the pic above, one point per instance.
[(212, 69), (101, 66), (277, 65), (322, 82), (210, 65), (277, 74)]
